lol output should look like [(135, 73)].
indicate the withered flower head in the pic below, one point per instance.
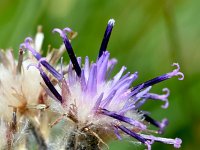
[(21, 96)]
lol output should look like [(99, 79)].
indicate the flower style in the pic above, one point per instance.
[(99, 107)]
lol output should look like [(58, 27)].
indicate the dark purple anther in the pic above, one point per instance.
[(47, 81), (131, 133), (161, 78), (69, 49), (106, 37), (55, 73), (123, 118), (50, 86), (27, 45), (160, 125)]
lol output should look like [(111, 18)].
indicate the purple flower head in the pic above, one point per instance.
[(90, 98)]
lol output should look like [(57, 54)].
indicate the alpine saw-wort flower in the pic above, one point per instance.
[(100, 108)]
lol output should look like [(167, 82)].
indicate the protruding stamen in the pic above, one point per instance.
[(176, 72), (47, 81), (72, 34), (106, 37), (142, 93), (69, 49), (176, 142), (123, 118), (67, 30), (161, 78), (55, 73), (163, 97), (160, 125), (26, 45), (131, 133)]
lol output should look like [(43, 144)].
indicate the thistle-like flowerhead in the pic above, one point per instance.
[(97, 104)]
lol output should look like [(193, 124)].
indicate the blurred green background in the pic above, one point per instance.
[(148, 37)]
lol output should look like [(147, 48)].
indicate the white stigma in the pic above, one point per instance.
[(111, 22)]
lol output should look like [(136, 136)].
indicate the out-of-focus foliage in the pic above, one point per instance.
[(148, 37)]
